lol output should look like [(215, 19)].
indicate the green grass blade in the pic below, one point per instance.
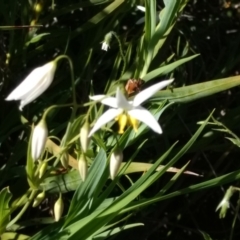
[(167, 69), (5, 197), (197, 91)]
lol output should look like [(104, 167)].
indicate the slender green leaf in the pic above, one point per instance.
[(197, 91), (167, 69), (5, 197), (116, 230)]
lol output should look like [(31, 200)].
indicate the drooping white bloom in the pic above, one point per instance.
[(224, 204), (129, 111), (107, 40), (105, 46), (115, 163), (39, 139), (34, 84)]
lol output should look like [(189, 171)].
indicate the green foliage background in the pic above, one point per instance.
[(198, 45)]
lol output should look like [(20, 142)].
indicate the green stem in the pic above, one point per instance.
[(53, 107), (14, 220), (147, 63), (227, 129), (67, 133), (72, 76), (235, 218), (121, 52)]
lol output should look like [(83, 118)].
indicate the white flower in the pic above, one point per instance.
[(34, 84), (105, 46), (39, 138), (107, 40), (129, 111), (115, 163), (141, 8), (223, 204)]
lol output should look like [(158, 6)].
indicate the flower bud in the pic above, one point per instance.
[(42, 169), (39, 138), (115, 163), (83, 167), (58, 208), (224, 204), (33, 23), (38, 7), (84, 140), (39, 198), (64, 160)]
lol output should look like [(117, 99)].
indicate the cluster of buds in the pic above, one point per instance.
[(84, 143)]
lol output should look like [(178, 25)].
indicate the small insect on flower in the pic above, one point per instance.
[(133, 86)]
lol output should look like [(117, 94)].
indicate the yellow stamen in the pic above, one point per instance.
[(133, 122), (122, 121)]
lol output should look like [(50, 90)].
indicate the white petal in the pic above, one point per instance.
[(32, 81), (37, 91), (146, 117), (109, 101), (150, 91), (122, 101), (105, 46), (105, 118), (141, 8)]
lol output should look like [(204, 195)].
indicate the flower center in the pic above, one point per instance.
[(124, 119)]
